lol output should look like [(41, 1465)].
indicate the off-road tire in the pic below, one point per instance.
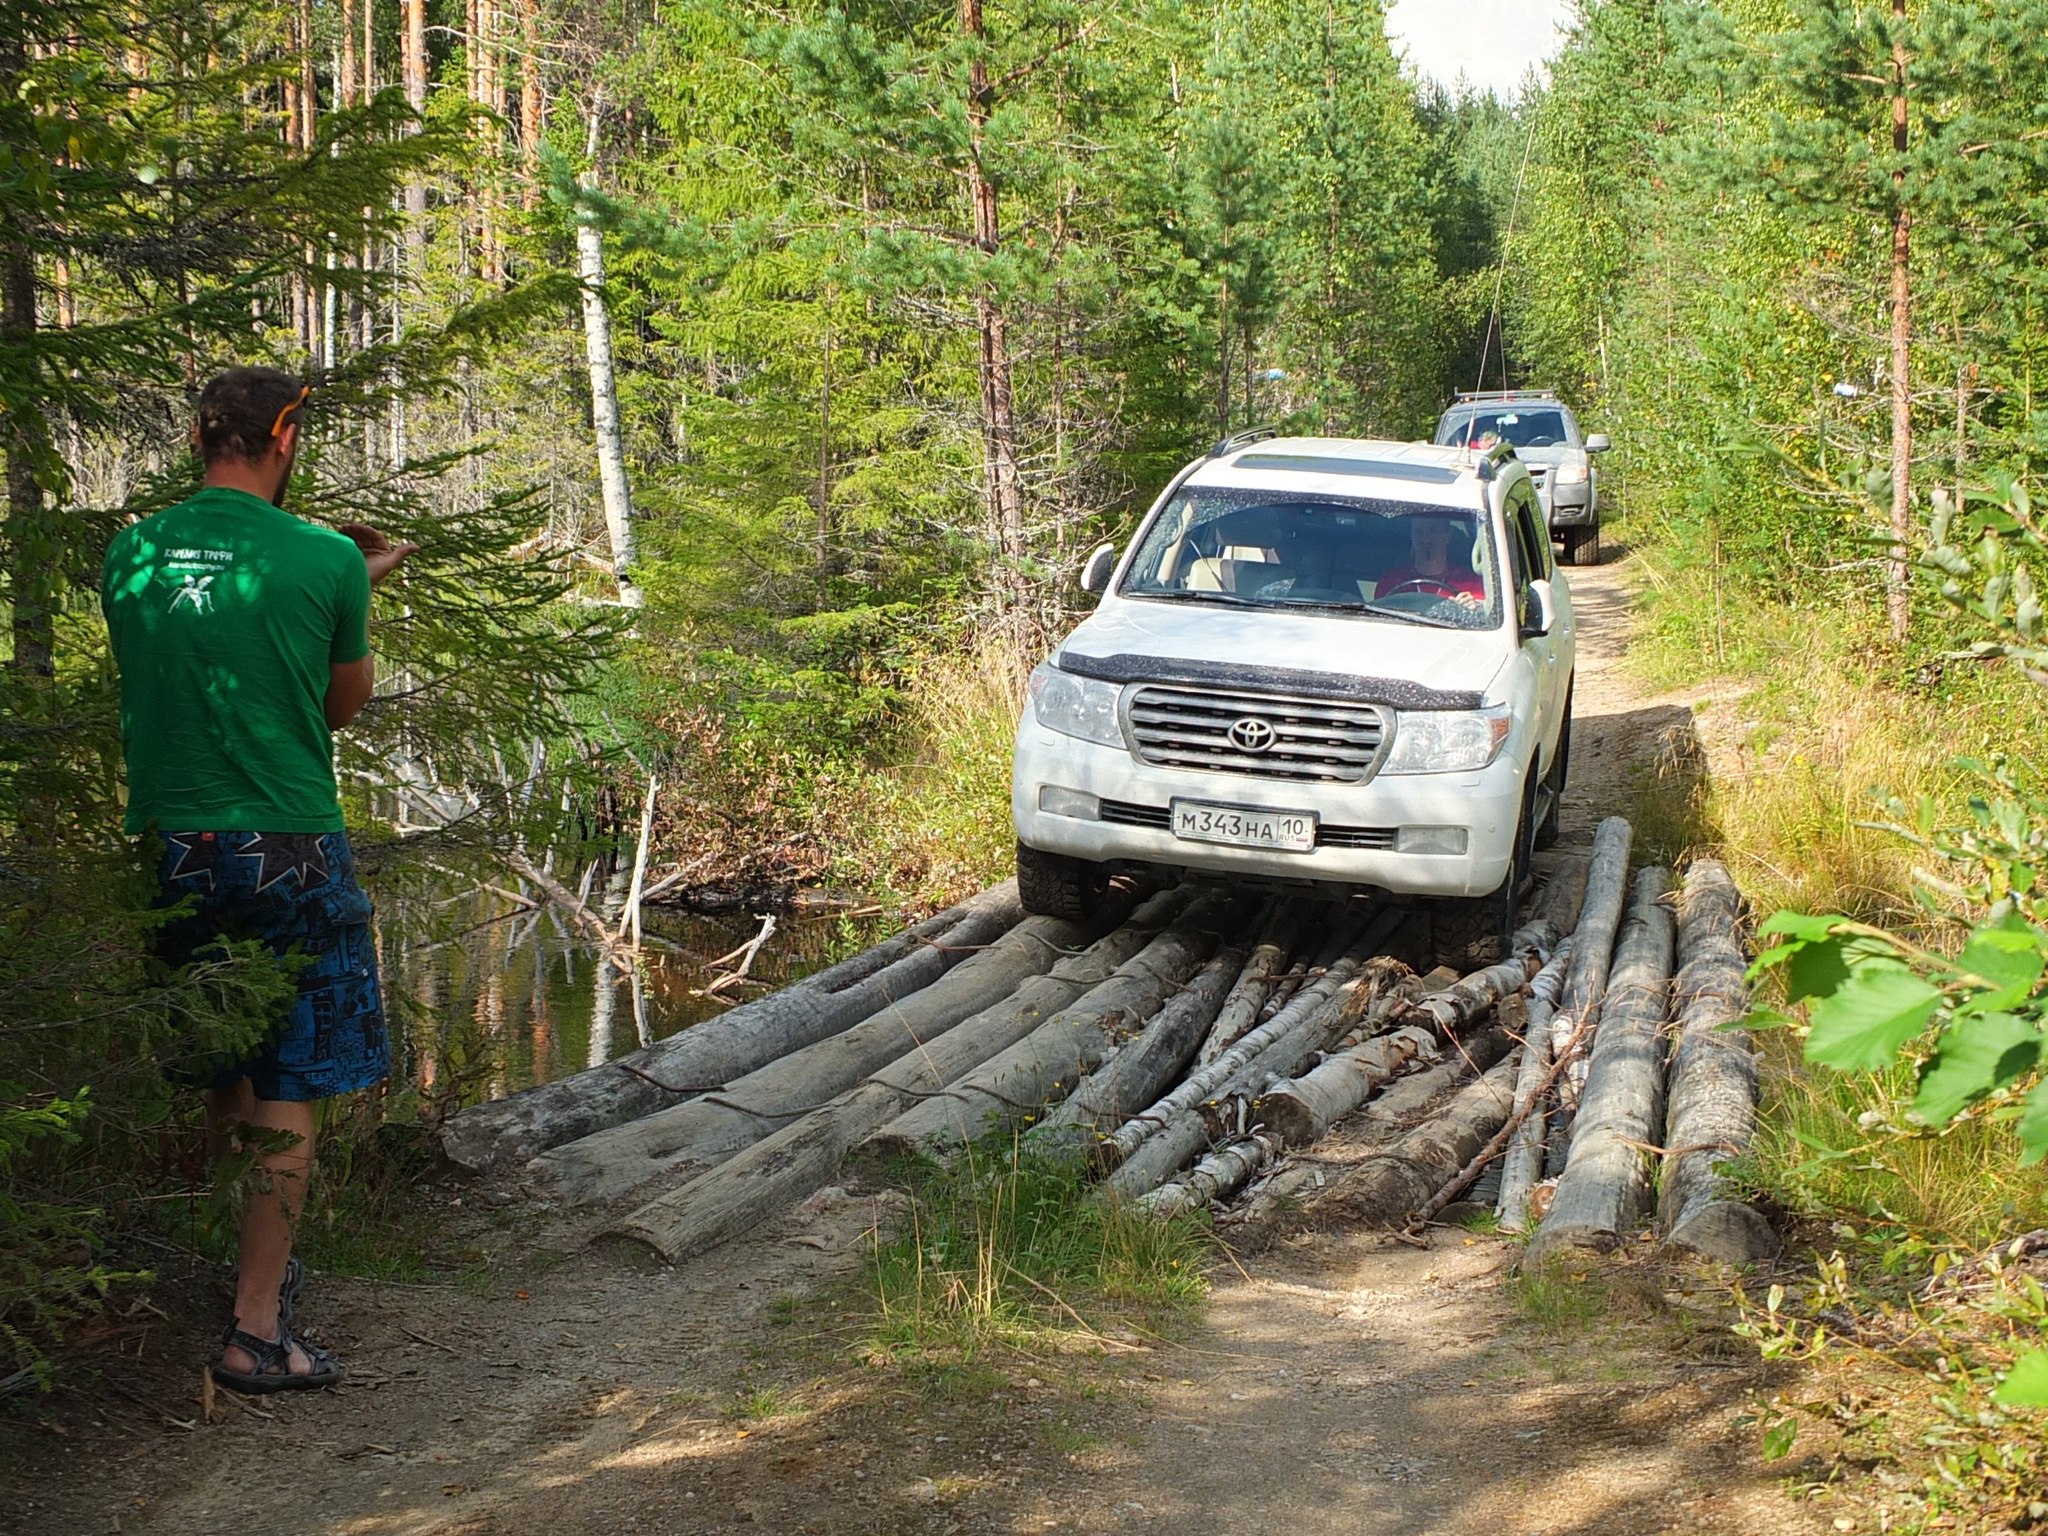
[(1056, 885), (1547, 830), (1582, 545), (1472, 933)]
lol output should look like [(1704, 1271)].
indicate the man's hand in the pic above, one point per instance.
[(379, 553)]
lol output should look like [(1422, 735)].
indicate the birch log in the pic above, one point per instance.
[(1578, 1012), (1239, 1015), (1021, 1080), (509, 1132), (1384, 1188), (1603, 1194), (778, 1170), (1524, 1161), (1283, 1047), (1304, 1013), (1297, 1111), (1141, 1071), (1219, 1175), (710, 1129), (1713, 1081)]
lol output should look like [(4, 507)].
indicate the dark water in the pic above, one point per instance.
[(525, 999)]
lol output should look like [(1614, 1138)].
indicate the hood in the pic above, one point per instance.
[(1447, 660), (1550, 458)]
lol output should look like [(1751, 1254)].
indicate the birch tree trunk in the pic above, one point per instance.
[(1898, 599), (604, 396)]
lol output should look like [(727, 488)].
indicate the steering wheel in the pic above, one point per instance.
[(1427, 585)]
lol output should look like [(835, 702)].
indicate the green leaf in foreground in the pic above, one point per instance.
[(1862, 1025), (1978, 1055), (2026, 1384), (2034, 1126), (1778, 1438), (2009, 958)]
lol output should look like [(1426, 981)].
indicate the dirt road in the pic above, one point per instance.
[(1341, 1383)]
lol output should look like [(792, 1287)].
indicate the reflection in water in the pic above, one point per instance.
[(512, 1001)]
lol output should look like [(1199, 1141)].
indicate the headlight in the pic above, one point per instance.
[(1448, 741), (1075, 706), (1570, 474)]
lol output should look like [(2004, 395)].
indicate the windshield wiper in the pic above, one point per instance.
[(1229, 598), (1403, 615)]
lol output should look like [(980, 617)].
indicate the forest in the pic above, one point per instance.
[(753, 378)]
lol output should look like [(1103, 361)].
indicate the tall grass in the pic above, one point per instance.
[(935, 823), (1817, 732), (1007, 1248)]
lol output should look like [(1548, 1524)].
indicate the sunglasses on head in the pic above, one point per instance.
[(277, 426)]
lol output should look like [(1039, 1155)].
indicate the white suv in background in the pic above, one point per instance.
[(1323, 660)]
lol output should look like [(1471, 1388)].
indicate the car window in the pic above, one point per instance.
[(1525, 426), (1273, 549), (1529, 532)]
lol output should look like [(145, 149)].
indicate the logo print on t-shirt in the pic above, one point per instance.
[(193, 593)]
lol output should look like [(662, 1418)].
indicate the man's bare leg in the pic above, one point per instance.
[(278, 1191)]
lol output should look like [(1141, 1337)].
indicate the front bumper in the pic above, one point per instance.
[(1570, 506), (1485, 804)]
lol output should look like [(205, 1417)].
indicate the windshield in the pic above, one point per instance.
[(1523, 426), (1274, 549)]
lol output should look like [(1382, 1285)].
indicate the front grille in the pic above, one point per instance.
[(1356, 837), (1313, 739), (1125, 813)]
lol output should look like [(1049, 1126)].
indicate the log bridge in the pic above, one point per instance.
[(1188, 1049)]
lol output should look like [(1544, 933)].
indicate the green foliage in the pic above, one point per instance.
[(1009, 1249)]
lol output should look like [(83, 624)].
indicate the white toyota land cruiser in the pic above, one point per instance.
[(1322, 660)]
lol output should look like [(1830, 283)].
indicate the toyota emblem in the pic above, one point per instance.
[(1252, 734)]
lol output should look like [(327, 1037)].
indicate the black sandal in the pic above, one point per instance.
[(273, 1358)]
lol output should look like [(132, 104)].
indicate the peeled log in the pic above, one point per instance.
[(1713, 1081), (1239, 1015), (1298, 1111), (1388, 1185), (1603, 1195), (710, 1129), (1524, 1161), (1592, 955), (509, 1132), (1065, 1048), (781, 1169), (1139, 1072)]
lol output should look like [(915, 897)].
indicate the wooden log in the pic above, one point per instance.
[(1239, 1015), (1603, 1195), (1578, 1011), (1023, 1079), (1139, 1072), (1279, 1202), (1713, 1081), (778, 1170), (711, 1128), (1523, 1163), (1216, 1177), (1283, 1047), (509, 1132), (1384, 1188), (1214, 1077), (1298, 1110)]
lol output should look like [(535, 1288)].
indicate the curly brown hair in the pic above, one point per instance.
[(240, 411)]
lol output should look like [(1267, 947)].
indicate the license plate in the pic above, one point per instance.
[(1244, 826)]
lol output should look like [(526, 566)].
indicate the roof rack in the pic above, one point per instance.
[(1243, 440), (1507, 394)]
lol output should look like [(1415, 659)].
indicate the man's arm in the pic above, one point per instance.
[(349, 686)]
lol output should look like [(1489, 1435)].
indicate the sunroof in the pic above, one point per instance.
[(1379, 469)]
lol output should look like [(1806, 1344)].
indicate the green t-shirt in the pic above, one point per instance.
[(225, 615)]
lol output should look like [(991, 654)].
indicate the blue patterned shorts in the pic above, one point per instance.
[(297, 892)]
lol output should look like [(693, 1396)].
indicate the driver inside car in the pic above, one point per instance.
[(1440, 550)]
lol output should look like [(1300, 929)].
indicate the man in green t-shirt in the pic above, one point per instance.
[(241, 633)]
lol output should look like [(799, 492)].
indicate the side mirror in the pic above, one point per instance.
[(1539, 610), (1095, 574), (1599, 442)]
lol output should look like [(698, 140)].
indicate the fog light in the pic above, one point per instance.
[(1430, 840), (1079, 804)]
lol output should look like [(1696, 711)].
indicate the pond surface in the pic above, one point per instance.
[(502, 1002)]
